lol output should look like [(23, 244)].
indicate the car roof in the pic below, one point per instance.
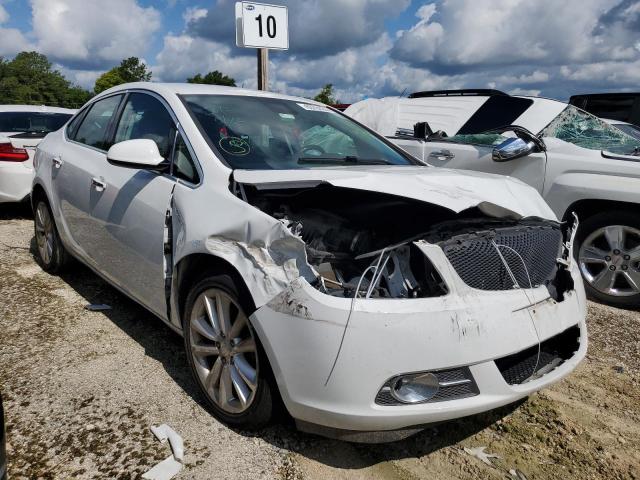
[(36, 109), (202, 89)]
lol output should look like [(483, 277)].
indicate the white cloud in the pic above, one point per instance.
[(465, 34), (13, 41), (191, 14), (182, 56), (317, 28), (532, 92), (625, 74), (83, 78), (4, 15), (537, 76), (353, 72), (92, 33)]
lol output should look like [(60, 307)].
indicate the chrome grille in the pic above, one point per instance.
[(477, 262), (455, 383)]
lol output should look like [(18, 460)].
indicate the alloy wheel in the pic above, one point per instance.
[(44, 233), (224, 351), (609, 259)]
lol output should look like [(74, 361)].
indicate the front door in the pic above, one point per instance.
[(128, 207), (474, 152)]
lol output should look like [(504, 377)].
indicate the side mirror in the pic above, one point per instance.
[(140, 153), (422, 130), (511, 149)]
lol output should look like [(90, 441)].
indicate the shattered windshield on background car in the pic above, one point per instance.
[(273, 134), (586, 131)]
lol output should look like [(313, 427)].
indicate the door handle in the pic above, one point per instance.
[(98, 184), (442, 155), (57, 161)]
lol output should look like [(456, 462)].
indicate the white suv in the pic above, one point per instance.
[(303, 257), (578, 162)]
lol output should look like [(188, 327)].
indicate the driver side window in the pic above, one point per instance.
[(144, 116)]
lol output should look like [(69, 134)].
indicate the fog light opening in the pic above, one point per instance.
[(415, 388)]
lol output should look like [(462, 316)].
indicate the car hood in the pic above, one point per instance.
[(457, 190)]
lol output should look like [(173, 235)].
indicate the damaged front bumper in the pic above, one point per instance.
[(303, 330)]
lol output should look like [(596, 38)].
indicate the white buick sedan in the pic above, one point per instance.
[(306, 259)]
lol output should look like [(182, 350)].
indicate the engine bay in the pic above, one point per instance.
[(361, 243)]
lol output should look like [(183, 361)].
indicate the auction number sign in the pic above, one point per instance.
[(259, 25)]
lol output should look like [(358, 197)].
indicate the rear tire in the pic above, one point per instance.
[(225, 355), (51, 254), (607, 249)]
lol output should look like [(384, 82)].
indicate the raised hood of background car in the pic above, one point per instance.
[(453, 189)]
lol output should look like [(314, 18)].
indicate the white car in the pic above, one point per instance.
[(21, 129), (305, 258), (578, 162)]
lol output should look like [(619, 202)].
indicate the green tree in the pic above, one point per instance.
[(30, 79), (107, 80), (326, 95), (213, 78), (130, 70)]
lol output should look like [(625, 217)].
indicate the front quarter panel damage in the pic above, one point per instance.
[(264, 252)]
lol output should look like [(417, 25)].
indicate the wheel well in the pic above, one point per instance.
[(38, 193), (194, 267), (587, 208)]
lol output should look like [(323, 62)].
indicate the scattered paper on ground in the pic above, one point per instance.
[(479, 452)]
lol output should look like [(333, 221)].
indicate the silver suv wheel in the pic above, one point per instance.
[(223, 351), (609, 259)]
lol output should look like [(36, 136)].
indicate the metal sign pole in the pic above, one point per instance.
[(263, 68), (262, 27)]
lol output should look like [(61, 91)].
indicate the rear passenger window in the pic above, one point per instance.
[(183, 165), (145, 117), (73, 125), (93, 129)]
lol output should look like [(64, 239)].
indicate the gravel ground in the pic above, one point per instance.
[(82, 388)]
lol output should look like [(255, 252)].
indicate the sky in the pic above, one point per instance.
[(365, 48)]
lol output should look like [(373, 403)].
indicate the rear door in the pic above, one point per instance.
[(74, 165), (128, 206)]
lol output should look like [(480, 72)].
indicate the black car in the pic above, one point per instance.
[(624, 107)]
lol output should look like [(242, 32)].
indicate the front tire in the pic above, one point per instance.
[(608, 252), (51, 254), (225, 355)]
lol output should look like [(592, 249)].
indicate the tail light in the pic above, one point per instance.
[(9, 153)]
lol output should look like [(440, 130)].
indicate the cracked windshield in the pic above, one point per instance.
[(586, 131)]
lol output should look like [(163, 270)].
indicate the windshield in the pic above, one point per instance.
[(584, 130), (32, 122), (270, 133), (629, 129)]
